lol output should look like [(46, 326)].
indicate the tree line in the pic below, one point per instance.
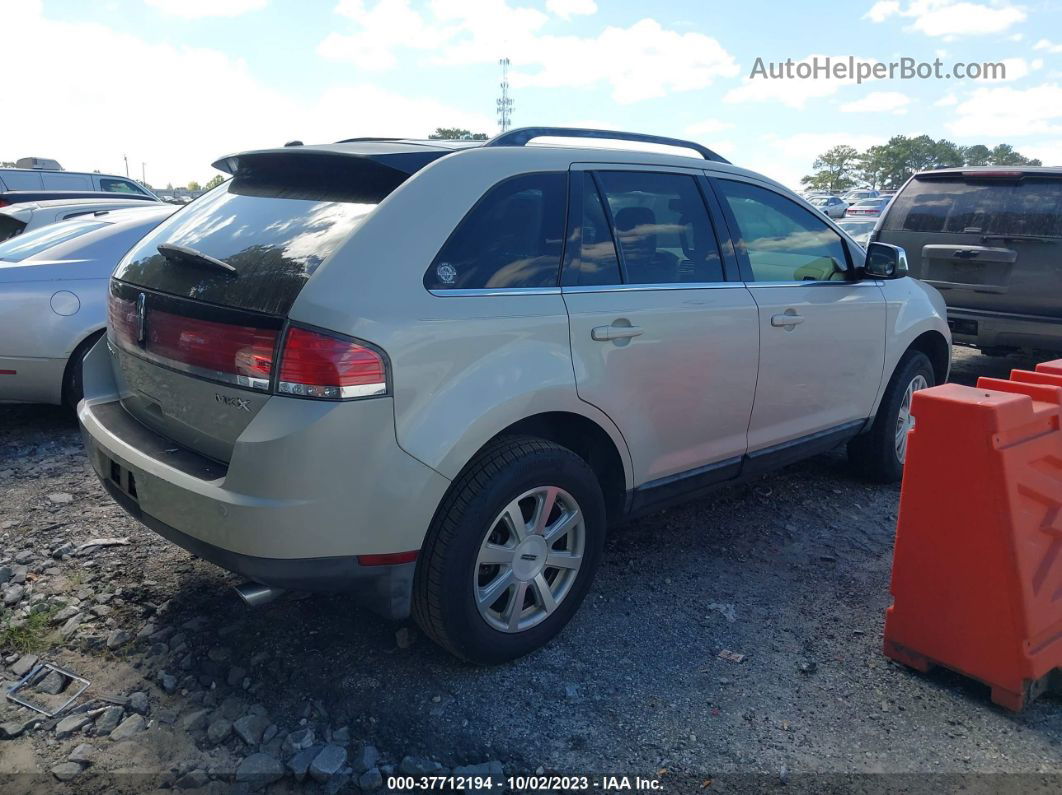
[(891, 164)]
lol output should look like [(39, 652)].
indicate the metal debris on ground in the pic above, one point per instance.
[(90, 546), (37, 675), (731, 656)]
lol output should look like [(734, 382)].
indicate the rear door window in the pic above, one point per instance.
[(661, 227), (56, 180), (119, 186), (275, 225), (512, 238)]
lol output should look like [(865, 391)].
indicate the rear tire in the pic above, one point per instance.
[(484, 589), (879, 454), (73, 385)]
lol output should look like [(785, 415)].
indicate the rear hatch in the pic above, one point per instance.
[(988, 240), (198, 308)]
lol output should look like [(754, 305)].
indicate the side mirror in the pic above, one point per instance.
[(885, 261)]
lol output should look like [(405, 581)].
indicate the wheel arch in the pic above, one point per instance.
[(937, 350), (75, 358)]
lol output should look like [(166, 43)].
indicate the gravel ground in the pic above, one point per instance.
[(791, 572)]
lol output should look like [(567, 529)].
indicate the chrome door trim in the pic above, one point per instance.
[(625, 288), (468, 293)]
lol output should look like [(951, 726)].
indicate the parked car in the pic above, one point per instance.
[(990, 239), (866, 208), (53, 298), (858, 228), (39, 174), (21, 218), (860, 194), (299, 390), (831, 205)]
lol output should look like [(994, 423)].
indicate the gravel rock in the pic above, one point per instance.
[(70, 627), (259, 770), (194, 720), (418, 766), (193, 779), (109, 720), (60, 498), (71, 724), (84, 754), (405, 637), (23, 665), (299, 764), (52, 684), (328, 762), (16, 728), (250, 728), (168, 682), (13, 594), (365, 759), (491, 770), (138, 702), (5, 574), (63, 549), (371, 780), (219, 731), (118, 637), (64, 771), (64, 615), (298, 740), (132, 725)]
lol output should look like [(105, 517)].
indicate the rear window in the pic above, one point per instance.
[(118, 186), (275, 224), (1031, 207), (37, 240)]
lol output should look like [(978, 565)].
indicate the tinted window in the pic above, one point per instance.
[(593, 260), (1029, 207), (22, 180), (274, 225), (37, 240), (661, 227), (512, 238), (118, 186), (54, 180), (782, 240)]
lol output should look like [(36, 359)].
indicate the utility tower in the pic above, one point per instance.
[(505, 102)]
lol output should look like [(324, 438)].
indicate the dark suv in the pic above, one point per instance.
[(990, 239)]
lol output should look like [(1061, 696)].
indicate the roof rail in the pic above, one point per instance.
[(524, 135)]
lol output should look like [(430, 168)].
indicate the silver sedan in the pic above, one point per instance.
[(53, 299)]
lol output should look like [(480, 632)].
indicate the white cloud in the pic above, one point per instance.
[(946, 101), (571, 8), (948, 18), (707, 127), (792, 92), (879, 102), (195, 9), (1048, 152), (1007, 112), (179, 126), (638, 62), (1048, 46), (1017, 68)]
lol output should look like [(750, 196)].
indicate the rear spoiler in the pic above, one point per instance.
[(406, 162)]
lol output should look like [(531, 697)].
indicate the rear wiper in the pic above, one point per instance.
[(193, 257)]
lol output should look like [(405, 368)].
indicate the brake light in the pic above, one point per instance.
[(240, 354), (319, 365)]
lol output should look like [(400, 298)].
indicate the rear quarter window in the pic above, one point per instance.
[(513, 237)]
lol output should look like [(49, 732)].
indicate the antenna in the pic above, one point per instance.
[(505, 102)]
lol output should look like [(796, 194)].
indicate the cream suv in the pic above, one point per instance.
[(432, 373)]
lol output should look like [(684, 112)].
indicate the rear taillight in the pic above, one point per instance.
[(317, 365), (313, 364)]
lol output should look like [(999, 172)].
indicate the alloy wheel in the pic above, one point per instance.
[(905, 420)]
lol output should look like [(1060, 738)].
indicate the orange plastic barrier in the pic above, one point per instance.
[(977, 571)]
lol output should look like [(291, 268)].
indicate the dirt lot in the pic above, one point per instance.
[(791, 571)]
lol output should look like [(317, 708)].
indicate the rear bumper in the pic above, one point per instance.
[(309, 488), (987, 329)]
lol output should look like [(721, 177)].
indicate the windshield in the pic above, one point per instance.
[(33, 242)]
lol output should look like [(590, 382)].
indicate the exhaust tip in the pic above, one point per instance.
[(254, 594)]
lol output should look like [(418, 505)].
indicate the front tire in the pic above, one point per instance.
[(512, 551), (879, 454)]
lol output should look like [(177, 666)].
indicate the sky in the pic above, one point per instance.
[(175, 84)]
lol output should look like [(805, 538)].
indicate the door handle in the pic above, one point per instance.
[(787, 319), (606, 333)]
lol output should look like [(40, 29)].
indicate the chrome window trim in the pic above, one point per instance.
[(623, 288), (815, 283), (467, 293)]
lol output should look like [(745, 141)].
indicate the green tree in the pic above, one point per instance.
[(835, 169), (1005, 155), (7, 164), (213, 182), (194, 186), (976, 155), (456, 134)]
